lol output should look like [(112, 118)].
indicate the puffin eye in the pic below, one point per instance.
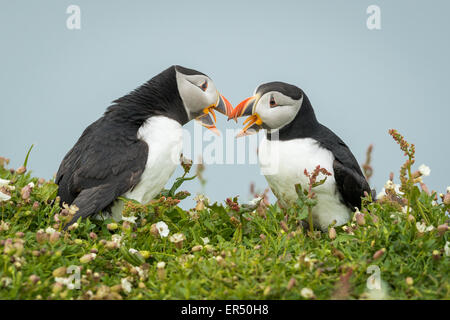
[(272, 102), (204, 86)]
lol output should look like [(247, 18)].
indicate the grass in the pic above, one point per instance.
[(226, 251)]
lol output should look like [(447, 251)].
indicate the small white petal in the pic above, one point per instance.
[(126, 285), (424, 170), (49, 230), (4, 182), (307, 293), (163, 229), (4, 197), (447, 248), (131, 219)]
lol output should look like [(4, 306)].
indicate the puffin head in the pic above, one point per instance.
[(200, 97), (272, 106)]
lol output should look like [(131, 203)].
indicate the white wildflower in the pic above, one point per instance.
[(448, 189), (49, 230), (307, 293), (177, 237), (72, 209), (141, 272), (424, 170), (163, 229), (5, 282), (389, 185), (126, 285), (161, 265), (205, 240), (201, 197), (132, 251), (117, 239), (4, 197), (405, 210), (131, 219), (447, 248), (4, 182), (31, 185), (422, 227), (66, 281)]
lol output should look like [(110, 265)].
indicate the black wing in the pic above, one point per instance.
[(105, 162), (350, 180)]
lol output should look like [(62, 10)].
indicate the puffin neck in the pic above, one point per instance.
[(304, 124), (157, 97)]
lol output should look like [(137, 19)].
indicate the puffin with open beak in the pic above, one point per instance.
[(296, 141), (134, 148)]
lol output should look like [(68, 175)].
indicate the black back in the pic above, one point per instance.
[(108, 159)]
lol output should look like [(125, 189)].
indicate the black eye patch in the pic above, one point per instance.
[(272, 102)]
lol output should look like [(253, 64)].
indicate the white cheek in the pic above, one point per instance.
[(277, 117)]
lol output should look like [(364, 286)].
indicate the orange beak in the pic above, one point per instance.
[(246, 108), (223, 106)]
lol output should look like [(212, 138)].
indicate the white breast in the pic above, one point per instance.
[(283, 163), (164, 137)]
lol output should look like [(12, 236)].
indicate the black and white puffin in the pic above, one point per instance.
[(134, 148), (296, 141)]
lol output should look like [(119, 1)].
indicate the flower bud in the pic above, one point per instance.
[(447, 199), (197, 248), (379, 254), (35, 206), (59, 272), (360, 219), (41, 236), (291, 284), (409, 281), (332, 233), (154, 230), (21, 170), (161, 272), (112, 226), (436, 255), (34, 279), (111, 245), (88, 257), (221, 261), (284, 226), (25, 192), (93, 235), (442, 228), (54, 237), (73, 226)]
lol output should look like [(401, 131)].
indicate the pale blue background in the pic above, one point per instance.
[(54, 81)]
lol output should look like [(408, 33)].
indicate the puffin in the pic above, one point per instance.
[(295, 141), (134, 148)]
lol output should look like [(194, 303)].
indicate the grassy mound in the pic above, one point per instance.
[(394, 248)]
